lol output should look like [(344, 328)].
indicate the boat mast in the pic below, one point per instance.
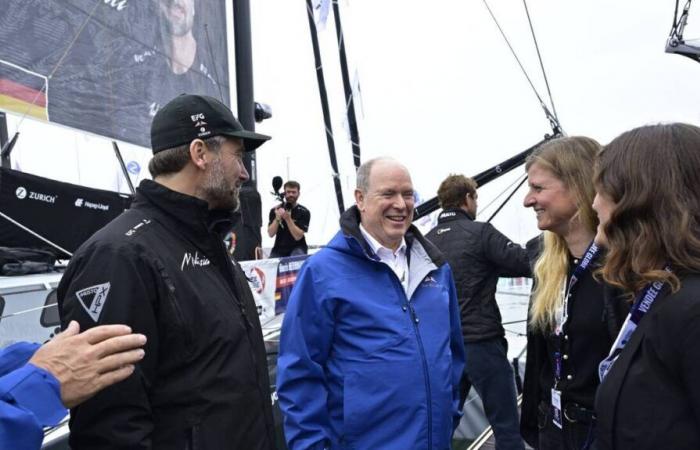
[(244, 79), (349, 103), (3, 138), (324, 105)]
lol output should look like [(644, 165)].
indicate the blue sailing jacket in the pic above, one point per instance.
[(363, 365), (30, 398)]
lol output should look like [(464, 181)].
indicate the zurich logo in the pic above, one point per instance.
[(21, 193), (133, 167)]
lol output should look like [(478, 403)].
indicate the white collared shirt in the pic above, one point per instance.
[(396, 260)]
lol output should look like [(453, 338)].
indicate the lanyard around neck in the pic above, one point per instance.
[(640, 307)]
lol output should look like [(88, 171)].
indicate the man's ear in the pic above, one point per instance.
[(360, 199), (198, 154)]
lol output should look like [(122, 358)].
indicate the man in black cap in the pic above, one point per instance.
[(161, 267)]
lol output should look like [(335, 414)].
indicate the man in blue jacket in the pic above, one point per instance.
[(37, 383), (371, 350)]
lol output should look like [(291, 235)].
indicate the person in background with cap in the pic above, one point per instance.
[(161, 267)]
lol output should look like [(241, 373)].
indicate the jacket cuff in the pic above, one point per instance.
[(15, 356), (36, 390)]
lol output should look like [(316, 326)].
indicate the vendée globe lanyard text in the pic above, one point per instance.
[(567, 292), (641, 306), (578, 273)]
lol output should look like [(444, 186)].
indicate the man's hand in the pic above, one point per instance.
[(286, 216), (279, 213), (89, 362)]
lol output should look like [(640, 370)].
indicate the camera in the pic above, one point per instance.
[(276, 186)]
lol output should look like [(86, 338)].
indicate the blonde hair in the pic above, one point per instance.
[(571, 160)]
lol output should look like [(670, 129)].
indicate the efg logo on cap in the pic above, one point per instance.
[(190, 117), (201, 124)]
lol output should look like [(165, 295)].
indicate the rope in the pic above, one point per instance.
[(539, 56)]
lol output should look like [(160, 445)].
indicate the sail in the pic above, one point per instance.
[(106, 66), (41, 213)]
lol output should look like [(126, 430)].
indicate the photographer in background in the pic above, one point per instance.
[(288, 223)]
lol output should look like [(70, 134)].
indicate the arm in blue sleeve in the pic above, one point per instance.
[(30, 398), (457, 349), (306, 339)]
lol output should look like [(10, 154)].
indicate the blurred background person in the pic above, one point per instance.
[(478, 255), (288, 223)]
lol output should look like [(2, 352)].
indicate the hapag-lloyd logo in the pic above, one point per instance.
[(82, 203), (22, 193), (191, 260)]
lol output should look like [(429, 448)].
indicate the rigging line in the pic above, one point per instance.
[(549, 115), (213, 63), (25, 311), (58, 64), (33, 233), (500, 194), (539, 56), (506, 200)]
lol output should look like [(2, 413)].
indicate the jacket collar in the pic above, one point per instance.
[(451, 214), (189, 211), (350, 227)]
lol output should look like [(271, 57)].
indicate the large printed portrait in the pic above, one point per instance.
[(107, 66)]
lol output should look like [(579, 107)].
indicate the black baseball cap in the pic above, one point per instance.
[(189, 117)]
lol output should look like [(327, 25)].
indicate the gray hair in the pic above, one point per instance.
[(364, 171), (173, 160)]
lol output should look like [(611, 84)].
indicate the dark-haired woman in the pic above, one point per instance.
[(648, 202), (573, 318)]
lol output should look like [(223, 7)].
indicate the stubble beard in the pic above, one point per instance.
[(218, 191)]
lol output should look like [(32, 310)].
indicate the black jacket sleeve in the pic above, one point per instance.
[(105, 284), (510, 257)]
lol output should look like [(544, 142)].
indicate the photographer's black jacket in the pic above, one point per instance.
[(478, 255), (284, 241), (161, 268)]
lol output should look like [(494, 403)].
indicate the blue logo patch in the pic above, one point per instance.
[(133, 167)]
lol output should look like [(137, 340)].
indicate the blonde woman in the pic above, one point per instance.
[(573, 318)]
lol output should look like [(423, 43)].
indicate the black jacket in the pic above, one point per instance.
[(596, 313), (161, 267), (478, 255), (650, 399)]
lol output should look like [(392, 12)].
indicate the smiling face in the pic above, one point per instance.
[(386, 209), (552, 202), (604, 207)]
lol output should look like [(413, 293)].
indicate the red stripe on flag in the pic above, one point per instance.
[(22, 92)]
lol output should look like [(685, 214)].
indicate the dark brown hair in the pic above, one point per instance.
[(651, 174), (453, 189), (173, 160), (292, 184)]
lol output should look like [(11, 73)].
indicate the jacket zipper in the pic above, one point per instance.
[(426, 375)]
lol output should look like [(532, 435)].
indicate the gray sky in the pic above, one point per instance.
[(440, 92)]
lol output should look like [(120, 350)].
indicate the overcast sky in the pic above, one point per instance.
[(440, 92)]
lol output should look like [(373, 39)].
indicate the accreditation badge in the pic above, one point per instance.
[(556, 408)]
